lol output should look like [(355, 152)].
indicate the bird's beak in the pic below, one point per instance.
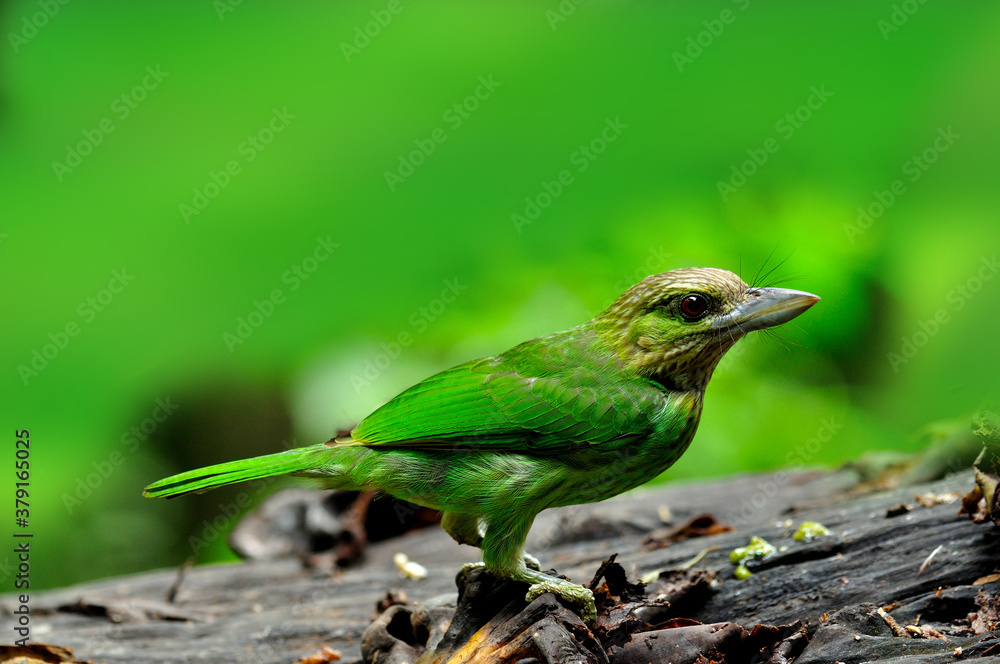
[(766, 307)]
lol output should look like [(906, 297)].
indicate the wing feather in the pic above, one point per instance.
[(513, 406)]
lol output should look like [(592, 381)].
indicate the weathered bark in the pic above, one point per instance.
[(278, 612)]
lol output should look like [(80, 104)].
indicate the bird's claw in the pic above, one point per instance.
[(468, 567), (529, 561), (576, 595), (569, 592)]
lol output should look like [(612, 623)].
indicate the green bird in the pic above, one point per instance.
[(569, 418)]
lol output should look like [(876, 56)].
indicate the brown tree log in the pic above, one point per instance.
[(878, 553)]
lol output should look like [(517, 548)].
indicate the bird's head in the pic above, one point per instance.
[(675, 326)]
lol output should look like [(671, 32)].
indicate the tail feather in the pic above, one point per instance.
[(204, 479)]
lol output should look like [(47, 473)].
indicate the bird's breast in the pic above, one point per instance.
[(611, 472)]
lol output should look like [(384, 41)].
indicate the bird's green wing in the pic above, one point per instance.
[(488, 403)]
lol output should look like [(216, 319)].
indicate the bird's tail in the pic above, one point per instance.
[(318, 460)]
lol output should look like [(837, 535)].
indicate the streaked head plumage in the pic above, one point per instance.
[(675, 326)]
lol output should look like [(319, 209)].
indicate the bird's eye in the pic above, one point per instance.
[(694, 307)]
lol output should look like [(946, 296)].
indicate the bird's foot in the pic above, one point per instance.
[(529, 561), (541, 583), (468, 567), (570, 592)]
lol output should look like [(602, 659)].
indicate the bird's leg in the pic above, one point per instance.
[(463, 528), (468, 529), (531, 562), (503, 554)]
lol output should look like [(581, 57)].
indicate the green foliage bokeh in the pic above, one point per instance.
[(693, 93)]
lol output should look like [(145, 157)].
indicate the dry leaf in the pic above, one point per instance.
[(37, 653), (989, 578), (323, 656)]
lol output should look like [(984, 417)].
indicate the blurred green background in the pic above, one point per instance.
[(277, 125)]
